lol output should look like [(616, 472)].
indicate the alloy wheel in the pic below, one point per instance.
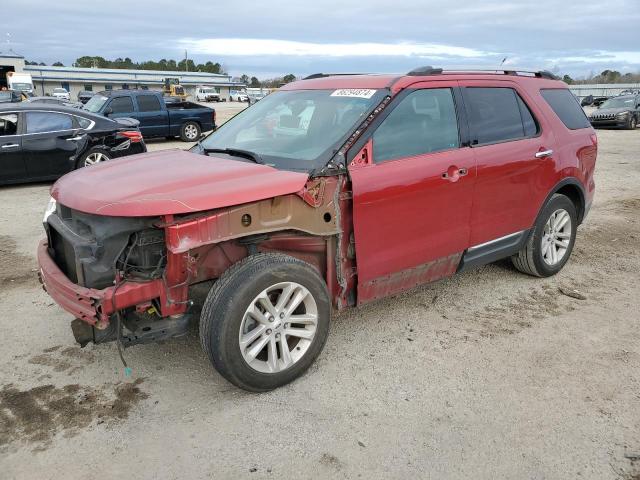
[(278, 327), (95, 157), (556, 237), (191, 132)]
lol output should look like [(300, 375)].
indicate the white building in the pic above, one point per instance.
[(75, 79)]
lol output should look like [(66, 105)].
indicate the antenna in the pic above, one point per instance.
[(501, 63)]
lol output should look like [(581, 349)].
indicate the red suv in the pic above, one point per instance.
[(332, 192)]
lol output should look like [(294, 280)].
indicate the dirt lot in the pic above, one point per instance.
[(490, 374)]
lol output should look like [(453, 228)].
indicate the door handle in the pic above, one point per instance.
[(74, 139), (544, 154), (11, 145)]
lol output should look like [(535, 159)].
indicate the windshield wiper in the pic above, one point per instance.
[(235, 152)]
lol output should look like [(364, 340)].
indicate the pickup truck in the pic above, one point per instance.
[(157, 118)]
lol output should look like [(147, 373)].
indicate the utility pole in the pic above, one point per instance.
[(186, 61)]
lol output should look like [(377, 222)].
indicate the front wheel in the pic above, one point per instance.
[(633, 123), (265, 321), (190, 132), (551, 241)]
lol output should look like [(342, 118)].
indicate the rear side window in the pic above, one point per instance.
[(566, 107), (423, 122), (148, 103), (121, 105), (40, 122), (498, 115)]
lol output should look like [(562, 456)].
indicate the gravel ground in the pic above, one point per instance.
[(491, 374)]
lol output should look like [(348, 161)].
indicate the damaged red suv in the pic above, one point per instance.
[(333, 192)]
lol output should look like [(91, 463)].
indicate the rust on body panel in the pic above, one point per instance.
[(410, 278)]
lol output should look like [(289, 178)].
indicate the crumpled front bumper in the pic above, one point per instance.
[(91, 305)]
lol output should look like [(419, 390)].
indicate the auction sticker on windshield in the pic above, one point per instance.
[(354, 92)]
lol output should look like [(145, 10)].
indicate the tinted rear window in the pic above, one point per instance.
[(562, 101)]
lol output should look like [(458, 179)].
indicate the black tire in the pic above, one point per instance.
[(225, 306), (530, 259), (633, 123), (190, 132), (81, 162)]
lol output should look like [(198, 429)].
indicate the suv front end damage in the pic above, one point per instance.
[(97, 266)]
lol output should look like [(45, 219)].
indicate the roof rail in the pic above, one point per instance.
[(322, 75), (428, 70)]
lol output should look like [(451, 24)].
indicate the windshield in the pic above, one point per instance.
[(618, 103), (95, 103), (296, 130), (208, 90), (21, 86)]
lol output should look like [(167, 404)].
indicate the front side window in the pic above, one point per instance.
[(40, 122), (148, 103), (497, 115), (8, 124), (424, 122), (121, 105)]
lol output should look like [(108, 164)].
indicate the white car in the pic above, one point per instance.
[(61, 93), (238, 96), (207, 94)]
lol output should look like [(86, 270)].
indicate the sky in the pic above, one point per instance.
[(272, 38)]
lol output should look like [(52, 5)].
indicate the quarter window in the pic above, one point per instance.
[(424, 122), (8, 124), (497, 115), (40, 122), (83, 122), (566, 107), (121, 105), (148, 103)]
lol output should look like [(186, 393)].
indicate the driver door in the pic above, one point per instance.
[(412, 190)]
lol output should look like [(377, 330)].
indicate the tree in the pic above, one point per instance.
[(255, 83), (57, 64), (289, 78), (244, 78), (567, 79)]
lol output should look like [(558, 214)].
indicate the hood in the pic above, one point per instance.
[(170, 182), (611, 111)]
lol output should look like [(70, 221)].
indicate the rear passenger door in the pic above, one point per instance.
[(153, 120), (412, 191), (513, 152), (50, 143)]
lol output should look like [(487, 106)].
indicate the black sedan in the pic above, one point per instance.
[(42, 142)]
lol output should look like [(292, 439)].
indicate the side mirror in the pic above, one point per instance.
[(108, 111)]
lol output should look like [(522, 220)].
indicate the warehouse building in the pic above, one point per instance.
[(75, 79)]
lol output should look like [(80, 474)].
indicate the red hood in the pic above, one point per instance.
[(170, 182)]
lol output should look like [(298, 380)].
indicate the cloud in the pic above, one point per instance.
[(257, 47)]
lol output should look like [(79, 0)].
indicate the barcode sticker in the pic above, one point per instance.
[(354, 92)]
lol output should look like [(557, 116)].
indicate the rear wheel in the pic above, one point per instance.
[(550, 243), (190, 132), (265, 321), (92, 156)]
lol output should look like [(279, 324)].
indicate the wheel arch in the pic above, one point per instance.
[(571, 188)]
